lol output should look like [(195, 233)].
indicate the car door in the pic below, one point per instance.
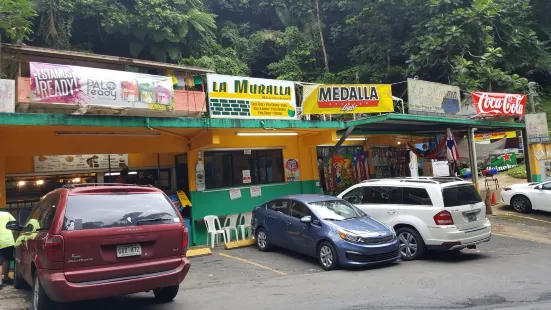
[(276, 214), (302, 236), (541, 197), (29, 242), (380, 202)]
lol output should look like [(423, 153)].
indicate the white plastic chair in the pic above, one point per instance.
[(212, 231), (244, 223), (230, 224)]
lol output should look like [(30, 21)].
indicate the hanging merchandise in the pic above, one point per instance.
[(427, 153), (197, 80), (389, 162), (189, 81)]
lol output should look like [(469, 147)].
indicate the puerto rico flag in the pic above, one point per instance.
[(451, 146)]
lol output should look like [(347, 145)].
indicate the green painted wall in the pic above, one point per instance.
[(219, 203), (536, 178)]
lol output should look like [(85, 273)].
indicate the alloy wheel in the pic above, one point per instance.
[(326, 256), (519, 205), (261, 239), (408, 244)]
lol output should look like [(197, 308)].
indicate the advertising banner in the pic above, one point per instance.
[(428, 98), (56, 163), (347, 99), (536, 128), (498, 104), (504, 162), (64, 84), (250, 98), (495, 136), (7, 96)]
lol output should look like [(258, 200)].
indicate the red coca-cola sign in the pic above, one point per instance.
[(498, 104)]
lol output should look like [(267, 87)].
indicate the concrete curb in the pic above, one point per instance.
[(198, 252), (239, 244)]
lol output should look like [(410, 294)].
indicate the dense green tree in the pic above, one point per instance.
[(16, 18)]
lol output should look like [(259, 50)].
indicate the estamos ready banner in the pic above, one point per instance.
[(499, 104)]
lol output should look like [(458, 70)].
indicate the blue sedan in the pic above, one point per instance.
[(329, 228)]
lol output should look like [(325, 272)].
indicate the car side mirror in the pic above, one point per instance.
[(306, 220), (539, 187), (13, 225)]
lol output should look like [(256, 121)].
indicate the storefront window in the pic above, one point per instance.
[(242, 168)]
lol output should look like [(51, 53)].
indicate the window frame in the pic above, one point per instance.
[(256, 170), (54, 197), (403, 195), (288, 209), (367, 195), (292, 207)]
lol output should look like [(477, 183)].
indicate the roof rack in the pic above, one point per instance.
[(432, 180), (101, 184)]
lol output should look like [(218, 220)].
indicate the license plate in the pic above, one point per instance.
[(471, 217), (129, 250)]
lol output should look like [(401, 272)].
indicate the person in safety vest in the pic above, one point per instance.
[(6, 246)]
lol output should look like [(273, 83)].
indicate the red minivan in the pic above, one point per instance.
[(96, 241)]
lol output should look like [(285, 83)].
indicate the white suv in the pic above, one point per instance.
[(427, 213)]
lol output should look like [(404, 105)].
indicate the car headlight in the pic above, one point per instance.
[(348, 236)]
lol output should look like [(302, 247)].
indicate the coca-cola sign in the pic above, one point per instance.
[(498, 104)]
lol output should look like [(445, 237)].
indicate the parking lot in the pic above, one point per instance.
[(505, 273)]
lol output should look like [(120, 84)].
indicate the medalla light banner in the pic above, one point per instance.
[(250, 98), (347, 99), (63, 84)]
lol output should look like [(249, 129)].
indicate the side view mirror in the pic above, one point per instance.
[(539, 187), (13, 225), (306, 220)]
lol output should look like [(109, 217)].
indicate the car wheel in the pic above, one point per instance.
[(327, 256), (521, 204), (412, 246), (41, 301), (262, 242), (18, 282), (166, 294)]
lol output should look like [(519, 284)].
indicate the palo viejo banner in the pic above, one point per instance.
[(244, 97), (64, 84), (495, 136), (498, 104), (347, 99)]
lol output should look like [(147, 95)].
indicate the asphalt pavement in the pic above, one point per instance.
[(505, 273)]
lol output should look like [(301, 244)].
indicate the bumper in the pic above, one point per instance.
[(363, 255), (60, 290), (453, 239)]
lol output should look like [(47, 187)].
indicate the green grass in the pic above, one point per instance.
[(518, 172)]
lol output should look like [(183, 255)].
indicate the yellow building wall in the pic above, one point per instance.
[(534, 162)]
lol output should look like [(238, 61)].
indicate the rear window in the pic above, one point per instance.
[(460, 195), (107, 211)]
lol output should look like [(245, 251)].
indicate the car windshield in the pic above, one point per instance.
[(336, 210)]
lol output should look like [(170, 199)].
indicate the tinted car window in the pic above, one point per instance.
[(356, 195), (415, 196), (106, 211), (546, 186), (43, 214), (460, 195), (279, 206), (381, 195), (299, 210)]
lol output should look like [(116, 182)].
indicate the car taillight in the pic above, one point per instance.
[(54, 248), (443, 218), (185, 242)]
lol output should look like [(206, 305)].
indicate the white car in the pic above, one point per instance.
[(528, 196), (426, 213)]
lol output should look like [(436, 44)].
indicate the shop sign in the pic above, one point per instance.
[(545, 170), (7, 96), (498, 104), (536, 128), (292, 171), (429, 98), (347, 99), (495, 136), (56, 163), (64, 84), (504, 162), (235, 194), (247, 176), (250, 98), (256, 191)]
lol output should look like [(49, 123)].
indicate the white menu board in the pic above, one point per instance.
[(54, 163)]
